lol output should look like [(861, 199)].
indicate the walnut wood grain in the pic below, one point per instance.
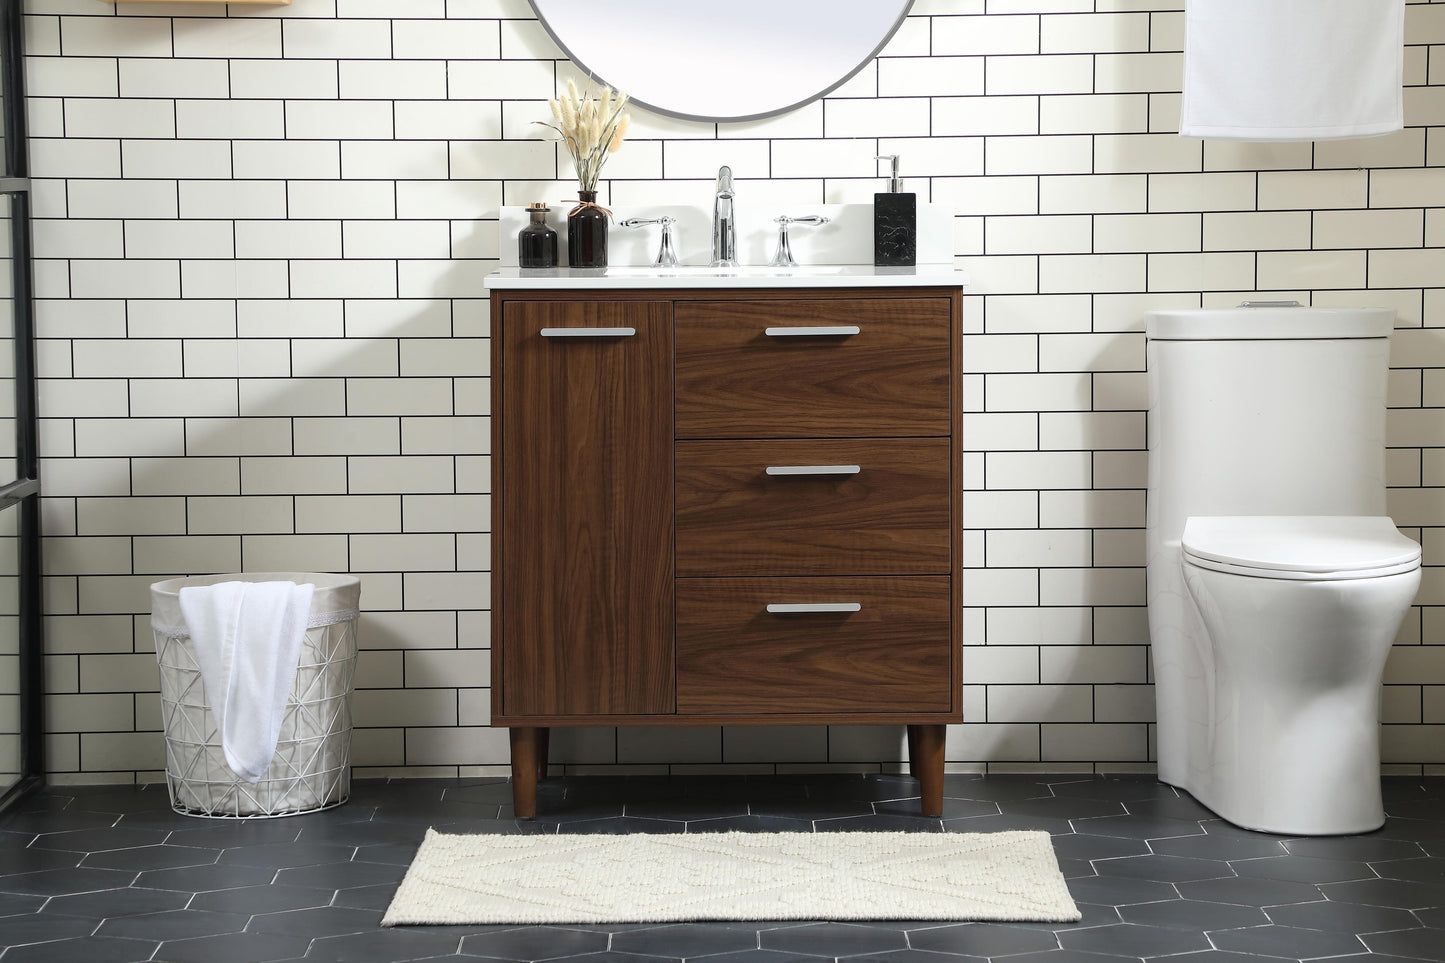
[(928, 742), (586, 526), (735, 656), (892, 518), (892, 378), (525, 747)]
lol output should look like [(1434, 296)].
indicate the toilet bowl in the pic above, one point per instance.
[(1276, 583), (1299, 615)]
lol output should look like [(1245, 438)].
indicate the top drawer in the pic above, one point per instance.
[(795, 368)]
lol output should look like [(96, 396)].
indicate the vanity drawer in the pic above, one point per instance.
[(785, 369), (892, 654), (877, 506)]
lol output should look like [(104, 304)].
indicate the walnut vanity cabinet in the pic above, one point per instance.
[(725, 507)]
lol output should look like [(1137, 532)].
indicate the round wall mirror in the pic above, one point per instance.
[(734, 60)]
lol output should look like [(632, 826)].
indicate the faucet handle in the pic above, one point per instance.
[(666, 254), (784, 255)]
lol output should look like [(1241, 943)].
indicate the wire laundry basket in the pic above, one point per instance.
[(312, 766)]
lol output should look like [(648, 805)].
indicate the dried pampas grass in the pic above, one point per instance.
[(591, 126)]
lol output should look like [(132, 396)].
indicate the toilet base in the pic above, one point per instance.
[(1292, 690), (1293, 822)]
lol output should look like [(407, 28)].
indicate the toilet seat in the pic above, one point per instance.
[(1299, 547)]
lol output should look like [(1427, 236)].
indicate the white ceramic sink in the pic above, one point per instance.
[(742, 271), (747, 276)]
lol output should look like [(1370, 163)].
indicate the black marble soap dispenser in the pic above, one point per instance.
[(895, 223)]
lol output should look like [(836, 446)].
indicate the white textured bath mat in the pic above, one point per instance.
[(648, 877)]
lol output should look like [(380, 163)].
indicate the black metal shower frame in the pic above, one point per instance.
[(24, 492)]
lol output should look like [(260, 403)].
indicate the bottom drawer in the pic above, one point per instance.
[(892, 654)]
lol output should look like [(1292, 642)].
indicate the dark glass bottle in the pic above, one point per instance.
[(587, 233), (537, 243)]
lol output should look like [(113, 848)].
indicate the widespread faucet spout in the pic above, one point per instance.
[(724, 225)]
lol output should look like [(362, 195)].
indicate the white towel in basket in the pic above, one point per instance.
[(247, 639)]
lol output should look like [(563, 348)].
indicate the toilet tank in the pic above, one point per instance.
[(1265, 411)]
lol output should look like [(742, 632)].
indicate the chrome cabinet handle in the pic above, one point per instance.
[(814, 469), (812, 608), (814, 331), (588, 332)]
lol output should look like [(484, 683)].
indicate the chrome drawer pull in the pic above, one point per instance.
[(812, 608), (815, 331), (588, 332), (814, 469)]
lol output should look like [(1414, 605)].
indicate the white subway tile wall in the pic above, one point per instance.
[(260, 237)]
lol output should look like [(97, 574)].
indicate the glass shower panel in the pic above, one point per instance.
[(8, 464), (10, 719), (5, 170)]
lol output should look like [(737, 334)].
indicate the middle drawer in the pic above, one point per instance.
[(876, 506)]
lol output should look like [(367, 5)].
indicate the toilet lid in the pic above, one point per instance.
[(1300, 546)]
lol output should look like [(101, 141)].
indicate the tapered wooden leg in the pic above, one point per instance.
[(928, 740), (913, 751), (543, 737), (524, 770)]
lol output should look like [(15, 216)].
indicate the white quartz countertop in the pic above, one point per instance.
[(811, 276)]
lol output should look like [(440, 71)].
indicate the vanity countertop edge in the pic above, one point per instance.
[(831, 276)]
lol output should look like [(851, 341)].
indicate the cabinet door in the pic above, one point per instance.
[(585, 560)]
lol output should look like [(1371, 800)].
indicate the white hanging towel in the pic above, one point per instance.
[(247, 639), (1293, 69)]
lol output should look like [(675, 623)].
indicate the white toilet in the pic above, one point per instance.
[(1276, 584)]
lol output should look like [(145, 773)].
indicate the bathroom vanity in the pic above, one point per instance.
[(725, 499)]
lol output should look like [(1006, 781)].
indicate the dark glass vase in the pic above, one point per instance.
[(537, 243), (587, 233)]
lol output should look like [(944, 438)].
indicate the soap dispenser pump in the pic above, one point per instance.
[(895, 223)]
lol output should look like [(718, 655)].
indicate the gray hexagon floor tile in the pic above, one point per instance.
[(1194, 915), (1169, 869), (1121, 891), (234, 948), (41, 928), (1303, 869), (62, 882), (761, 956), (1290, 942), (1420, 870), (173, 925), (1135, 939), (1250, 892), (1400, 893), (1344, 917), (1423, 944), (313, 887), (128, 901), (832, 939), (687, 939), (983, 939), (144, 858), (1205, 846), (385, 946), (535, 943), (89, 949), (320, 921), (263, 899)]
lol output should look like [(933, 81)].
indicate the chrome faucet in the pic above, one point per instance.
[(724, 226)]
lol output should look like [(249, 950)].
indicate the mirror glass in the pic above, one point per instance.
[(735, 60)]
